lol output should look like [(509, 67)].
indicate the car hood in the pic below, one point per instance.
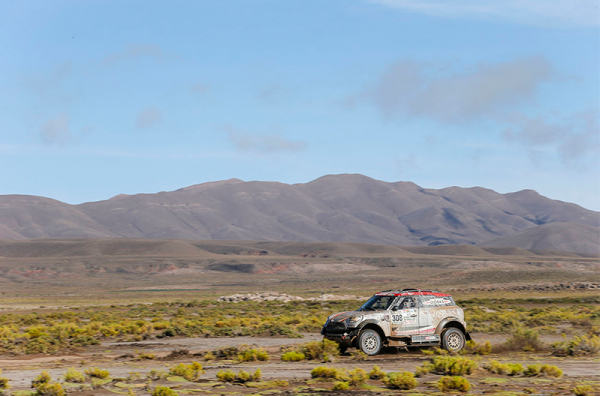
[(340, 317)]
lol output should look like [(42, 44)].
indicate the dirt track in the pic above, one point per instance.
[(118, 359)]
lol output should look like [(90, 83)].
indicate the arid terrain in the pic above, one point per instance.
[(139, 308)]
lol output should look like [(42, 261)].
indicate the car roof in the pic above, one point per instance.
[(412, 292)]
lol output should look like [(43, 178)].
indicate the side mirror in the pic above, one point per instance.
[(395, 308)]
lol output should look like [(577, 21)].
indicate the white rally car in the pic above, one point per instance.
[(400, 318)]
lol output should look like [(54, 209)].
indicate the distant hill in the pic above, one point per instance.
[(351, 208), (567, 237)]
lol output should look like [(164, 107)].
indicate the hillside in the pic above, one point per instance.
[(567, 237), (351, 208)]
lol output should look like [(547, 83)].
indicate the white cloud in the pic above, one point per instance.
[(419, 90), (148, 117), (262, 144), (553, 13), (56, 130), (575, 139)]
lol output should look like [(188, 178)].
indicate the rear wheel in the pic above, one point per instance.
[(369, 342), (453, 340)]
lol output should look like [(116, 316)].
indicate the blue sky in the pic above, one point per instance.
[(105, 97)]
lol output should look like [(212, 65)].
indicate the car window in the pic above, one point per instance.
[(407, 303)]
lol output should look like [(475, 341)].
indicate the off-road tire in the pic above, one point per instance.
[(370, 342), (453, 340)]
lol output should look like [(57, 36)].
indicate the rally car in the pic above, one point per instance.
[(400, 318)]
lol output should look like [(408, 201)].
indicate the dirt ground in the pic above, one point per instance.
[(119, 358)]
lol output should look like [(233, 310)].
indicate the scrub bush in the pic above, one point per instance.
[(293, 356), (49, 389), (74, 375), (525, 340), (474, 348), (448, 365), (583, 390), (191, 372), (403, 380), (325, 372), (579, 345), (43, 378), (357, 376), (341, 385), (376, 373), (252, 355), (163, 391), (240, 378), (496, 367), (95, 372), (3, 383), (455, 383)]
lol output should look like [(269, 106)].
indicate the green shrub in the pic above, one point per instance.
[(454, 383), (448, 365), (145, 356), (49, 389), (583, 390), (358, 355), (226, 376), (293, 356), (534, 370), (320, 350), (208, 356), (241, 378), (156, 375), (252, 355), (579, 345), (474, 348), (43, 378), (552, 371), (341, 385), (95, 372), (191, 372), (403, 380), (357, 376), (74, 375), (504, 368), (84, 340), (325, 372), (524, 340), (163, 391), (3, 383), (376, 373)]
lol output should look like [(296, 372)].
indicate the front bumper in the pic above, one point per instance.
[(345, 337)]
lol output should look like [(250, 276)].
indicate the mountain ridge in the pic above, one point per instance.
[(332, 208)]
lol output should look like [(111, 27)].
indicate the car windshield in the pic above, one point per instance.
[(377, 302)]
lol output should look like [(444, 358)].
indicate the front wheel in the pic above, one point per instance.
[(369, 342), (453, 340)]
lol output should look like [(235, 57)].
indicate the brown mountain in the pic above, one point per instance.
[(567, 237), (351, 208)]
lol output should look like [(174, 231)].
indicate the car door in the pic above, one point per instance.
[(405, 317)]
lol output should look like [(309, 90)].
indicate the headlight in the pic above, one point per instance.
[(354, 319)]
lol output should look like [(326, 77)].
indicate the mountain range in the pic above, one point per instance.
[(351, 208)]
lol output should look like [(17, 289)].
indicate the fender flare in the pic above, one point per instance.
[(371, 324), (455, 323)]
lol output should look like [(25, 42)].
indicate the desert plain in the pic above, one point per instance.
[(132, 316)]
